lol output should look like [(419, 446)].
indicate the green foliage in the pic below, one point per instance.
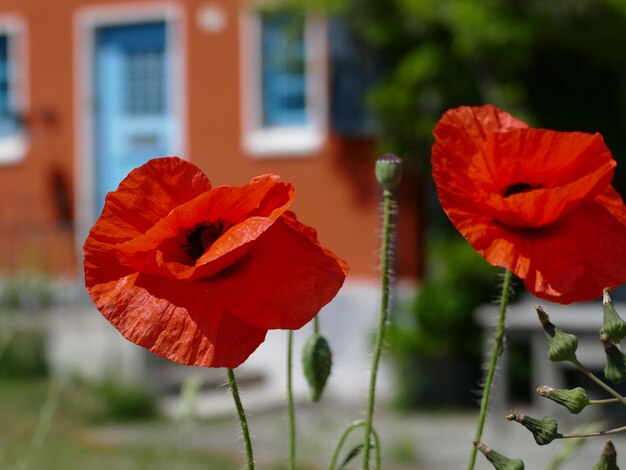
[(441, 322), (114, 401), (440, 327), (558, 64), (73, 444), (22, 355)]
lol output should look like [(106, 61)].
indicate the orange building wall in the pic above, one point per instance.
[(336, 192)]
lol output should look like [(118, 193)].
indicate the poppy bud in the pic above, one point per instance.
[(608, 459), (615, 369), (612, 324), (499, 461), (317, 360), (561, 346), (544, 429), (389, 171), (574, 400)]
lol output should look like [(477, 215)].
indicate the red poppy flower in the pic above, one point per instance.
[(199, 274), (535, 201)]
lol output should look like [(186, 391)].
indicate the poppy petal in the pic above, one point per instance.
[(147, 195), (285, 279), (462, 131), (612, 201), (176, 320), (536, 202), (554, 261), (167, 248), (246, 211), (531, 177)]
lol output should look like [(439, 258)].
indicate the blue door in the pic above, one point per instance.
[(134, 120)]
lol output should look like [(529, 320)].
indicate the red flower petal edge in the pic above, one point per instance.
[(537, 202), (199, 274)]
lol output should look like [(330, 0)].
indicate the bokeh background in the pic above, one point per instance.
[(310, 90)]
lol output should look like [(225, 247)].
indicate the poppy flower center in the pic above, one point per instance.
[(520, 188), (201, 237)]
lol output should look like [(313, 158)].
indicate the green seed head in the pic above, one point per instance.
[(561, 346), (615, 369), (499, 461), (544, 429), (574, 400), (317, 361), (389, 171), (608, 459), (612, 324)]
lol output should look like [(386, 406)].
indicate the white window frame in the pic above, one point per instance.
[(283, 141), (13, 147), (87, 20)]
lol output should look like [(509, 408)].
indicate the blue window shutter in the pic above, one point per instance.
[(352, 74), (283, 70)]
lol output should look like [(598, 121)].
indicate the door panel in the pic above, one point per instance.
[(134, 120)]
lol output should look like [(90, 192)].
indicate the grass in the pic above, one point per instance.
[(71, 442)]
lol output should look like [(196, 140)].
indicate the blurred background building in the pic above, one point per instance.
[(312, 91), (90, 90)]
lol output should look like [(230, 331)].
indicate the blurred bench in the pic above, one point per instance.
[(524, 331)]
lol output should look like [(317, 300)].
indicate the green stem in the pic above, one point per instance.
[(242, 417), (598, 382), (290, 407), (495, 353), (593, 434), (382, 322), (344, 436), (606, 401), (316, 325)]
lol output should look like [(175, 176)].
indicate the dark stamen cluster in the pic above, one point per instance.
[(520, 188), (201, 237)]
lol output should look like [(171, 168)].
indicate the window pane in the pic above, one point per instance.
[(8, 117), (145, 78), (283, 70)]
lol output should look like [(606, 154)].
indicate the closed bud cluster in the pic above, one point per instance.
[(608, 459), (612, 324), (615, 369), (317, 361), (389, 171), (561, 346), (575, 400), (499, 461), (544, 429)]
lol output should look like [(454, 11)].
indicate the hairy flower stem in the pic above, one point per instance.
[(290, 407), (495, 353), (316, 325), (382, 323), (242, 417), (599, 382), (342, 441)]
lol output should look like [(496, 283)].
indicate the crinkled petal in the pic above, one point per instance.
[(462, 131), (556, 169), (179, 321), (147, 195), (459, 136), (612, 201), (568, 261), (284, 280)]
